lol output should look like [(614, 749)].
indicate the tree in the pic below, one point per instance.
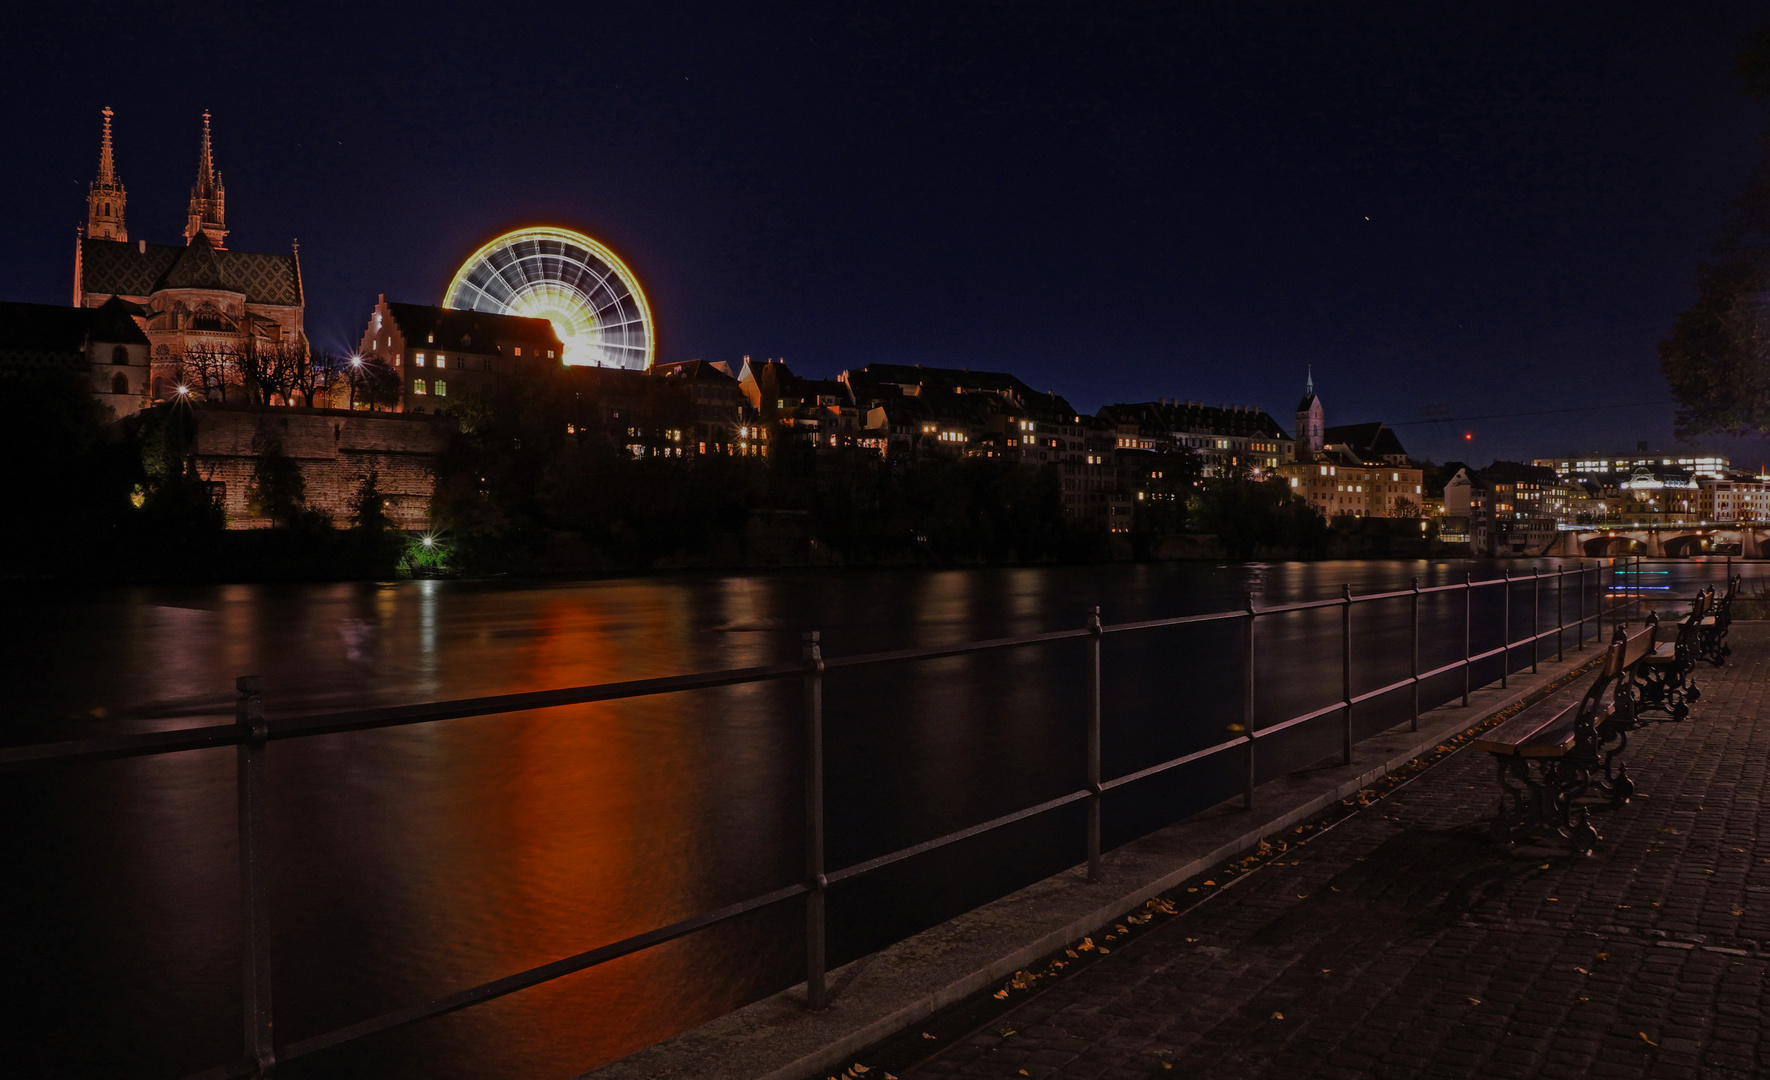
[(368, 510), (278, 490), (1717, 359)]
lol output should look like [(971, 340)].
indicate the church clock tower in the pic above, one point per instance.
[(208, 209), (105, 196)]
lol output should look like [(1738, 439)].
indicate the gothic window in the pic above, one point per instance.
[(119, 383), (442, 388), (119, 355), (417, 386), (206, 320)]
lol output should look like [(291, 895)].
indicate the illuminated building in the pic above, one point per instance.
[(1712, 466), (1225, 438), (198, 297), (436, 351), (1360, 470), (592, 299)]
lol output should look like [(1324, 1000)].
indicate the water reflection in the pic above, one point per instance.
[(413, 862)]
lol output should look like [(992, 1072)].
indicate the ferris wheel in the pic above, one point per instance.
[(593, 300)]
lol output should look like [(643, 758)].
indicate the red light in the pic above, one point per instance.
[(1468, 436)]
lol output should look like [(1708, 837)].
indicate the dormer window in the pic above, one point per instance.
[(433, 339)]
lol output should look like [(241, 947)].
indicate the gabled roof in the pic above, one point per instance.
[(53, 328), (116, 267), (695, 371), (468, 331), (1372, 441)]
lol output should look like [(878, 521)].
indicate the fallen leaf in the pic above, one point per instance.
[(1324, 971), (1474, 1001), (1104, 951), (925, 1035), (1191, 889), (1645, 1039), (1603, 956), (860, 1069), (1582, 971), (1071, 953), (1738, 911), (1210, 883), (1278, 1016), (1001, 994), (1544, 866), (1190, 940), (1585, 999)]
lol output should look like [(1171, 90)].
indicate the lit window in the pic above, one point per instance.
[(519, 350), (417, 386), (419, 359), (549, 354), (433, 339), (441, 360), (442, 388)]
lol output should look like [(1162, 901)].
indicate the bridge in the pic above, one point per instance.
[(1749, 539)]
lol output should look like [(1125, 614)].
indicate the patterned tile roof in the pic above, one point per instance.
[(136, 269)]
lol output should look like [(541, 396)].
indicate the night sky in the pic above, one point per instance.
[(1495, 208)]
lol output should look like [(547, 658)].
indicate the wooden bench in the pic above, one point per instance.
[(1663, 681), (1559, 749), (1713, 643)]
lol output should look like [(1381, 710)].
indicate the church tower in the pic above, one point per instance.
[(105, 196), (208, 214), (1310, 421)]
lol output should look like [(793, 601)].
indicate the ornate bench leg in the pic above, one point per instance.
[(1507, 819)]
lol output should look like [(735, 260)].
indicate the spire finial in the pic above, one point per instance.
[(106, 163), (1309, 382)]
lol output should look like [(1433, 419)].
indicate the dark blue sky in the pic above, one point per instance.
[(1495, 207)]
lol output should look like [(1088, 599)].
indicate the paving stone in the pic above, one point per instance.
[(1450, 958)]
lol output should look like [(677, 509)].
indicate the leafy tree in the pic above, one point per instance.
[(278, 490), (368, 510), (1717, 359)]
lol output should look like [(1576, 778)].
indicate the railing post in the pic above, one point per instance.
[(1416, 661), (811, 655), (255, 982), (1582, 605), (1468, 626), (1506, 632), (1536, 609), (1247, 707), (1346, 674), (1560, 611), (1094, 634)]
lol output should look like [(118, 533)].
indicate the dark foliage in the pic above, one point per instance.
[(1717, 359)]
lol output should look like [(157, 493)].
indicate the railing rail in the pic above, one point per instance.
[(252, 733)]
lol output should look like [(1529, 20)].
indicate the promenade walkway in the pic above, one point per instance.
[(1401, 943)]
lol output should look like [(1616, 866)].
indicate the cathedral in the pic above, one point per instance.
[(198, 297)]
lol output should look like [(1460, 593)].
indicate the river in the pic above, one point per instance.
[(411, 862)]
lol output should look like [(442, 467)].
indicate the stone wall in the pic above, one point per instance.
[(334, 448)]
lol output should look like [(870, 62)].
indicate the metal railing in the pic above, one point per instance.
[(252, 733)]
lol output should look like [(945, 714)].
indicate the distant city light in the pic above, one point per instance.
[(184, 390)]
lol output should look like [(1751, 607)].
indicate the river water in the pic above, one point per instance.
[(411, 862)]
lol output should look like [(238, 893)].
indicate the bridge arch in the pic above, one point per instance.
[(1604, 547)]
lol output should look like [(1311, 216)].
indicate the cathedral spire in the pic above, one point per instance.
[(207, 212), (1309, 381), (105, 196)]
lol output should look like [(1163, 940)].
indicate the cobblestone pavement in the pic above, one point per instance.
[(1403, 943)]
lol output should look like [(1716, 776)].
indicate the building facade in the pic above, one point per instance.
[(434, 351)]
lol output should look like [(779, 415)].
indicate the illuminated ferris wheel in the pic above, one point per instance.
[(593, 300)]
